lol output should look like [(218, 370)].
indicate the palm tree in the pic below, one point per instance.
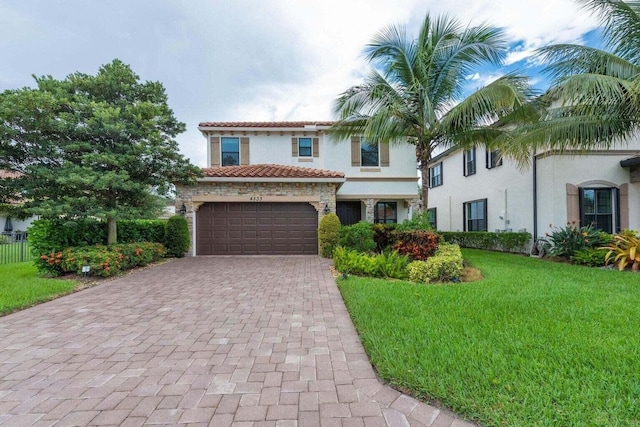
[(414, 92), (594, 99)]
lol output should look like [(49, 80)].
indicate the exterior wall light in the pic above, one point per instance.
[(183, 210)]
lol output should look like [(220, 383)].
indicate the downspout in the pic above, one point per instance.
[(535, 198)]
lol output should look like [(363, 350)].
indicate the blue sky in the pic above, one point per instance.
[(249, 60)]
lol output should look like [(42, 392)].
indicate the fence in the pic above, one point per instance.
[(14, 247)]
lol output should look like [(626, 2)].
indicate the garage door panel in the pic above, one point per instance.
[(256, 228)]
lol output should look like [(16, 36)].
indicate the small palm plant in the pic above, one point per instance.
[(626, 247)]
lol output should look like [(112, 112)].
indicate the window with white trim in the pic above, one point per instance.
[(494, 158), (369, 153), (304, 147), (469, 157), (435, 175)]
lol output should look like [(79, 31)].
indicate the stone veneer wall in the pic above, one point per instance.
[(319, 193)]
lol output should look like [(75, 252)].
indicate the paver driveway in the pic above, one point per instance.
[(241, 341)]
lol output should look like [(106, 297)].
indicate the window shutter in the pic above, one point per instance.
[(316, 147), (384, 153), (294, 147), (355, 151), (244, 151), (573, 204), (215, 151), (623, 207)]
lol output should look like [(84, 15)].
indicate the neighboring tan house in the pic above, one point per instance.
[(269, 183), (476, 190)]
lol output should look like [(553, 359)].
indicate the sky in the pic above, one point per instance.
[(254, 60)]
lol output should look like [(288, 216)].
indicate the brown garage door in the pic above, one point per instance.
[(256, 228)]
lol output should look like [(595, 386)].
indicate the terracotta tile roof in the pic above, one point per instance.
[(269, 171), (299, 124)]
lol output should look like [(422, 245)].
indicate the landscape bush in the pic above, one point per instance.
[(53, 235), (358, 237), (176, 236), (419, 221), (384, 236), (566, 241), (591, 257), (445, 265), (418, 245), (328, 234), (388, 264), (103, 261), (505, 242), (624, 249)]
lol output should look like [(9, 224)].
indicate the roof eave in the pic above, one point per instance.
[(271, 179)]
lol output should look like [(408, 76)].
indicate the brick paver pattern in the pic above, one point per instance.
[(219, 341)]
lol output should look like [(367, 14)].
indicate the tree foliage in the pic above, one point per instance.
[(594, 99), (90, 146), (414, 92)]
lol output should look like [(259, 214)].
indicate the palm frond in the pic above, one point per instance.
[(621, 25), (568, 59)]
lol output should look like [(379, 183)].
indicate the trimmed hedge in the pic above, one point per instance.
[(504, 242), (328, 234), (53, 235), (444, 266), (103, 260), (176, 236)]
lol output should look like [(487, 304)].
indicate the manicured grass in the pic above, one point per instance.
[(534, 343), (21, 286)]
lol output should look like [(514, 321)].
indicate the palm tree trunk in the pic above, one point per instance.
[(424, 170)]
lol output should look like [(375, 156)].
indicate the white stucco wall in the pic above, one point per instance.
[(508, 192)]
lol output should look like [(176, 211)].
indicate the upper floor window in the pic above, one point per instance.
[(469, 161), (369, 155), (230, 151), (386, 213), (475, 215), (494, 158), (599, 207), (435, 175), (304, 147)]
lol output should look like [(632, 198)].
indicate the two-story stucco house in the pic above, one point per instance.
[(267, 185), (477, 190)]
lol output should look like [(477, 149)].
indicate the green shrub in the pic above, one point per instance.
[(358, 237), (504, 242), (384, 236), (566, 241), (388, 264), (592, 257), (350, 261), (328, 234), (4, 240), (418, 245), (392, 265), (444, 265), (54, 235), (103, 260), (419, 221), (176, 236)]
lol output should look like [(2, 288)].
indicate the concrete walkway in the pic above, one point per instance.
[(220, 341)]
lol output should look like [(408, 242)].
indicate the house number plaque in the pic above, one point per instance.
[(255, 198)]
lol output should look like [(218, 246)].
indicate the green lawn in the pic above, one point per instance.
[(533, 343), (20, 287)]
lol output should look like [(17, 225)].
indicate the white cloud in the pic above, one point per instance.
[(250, 59)]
